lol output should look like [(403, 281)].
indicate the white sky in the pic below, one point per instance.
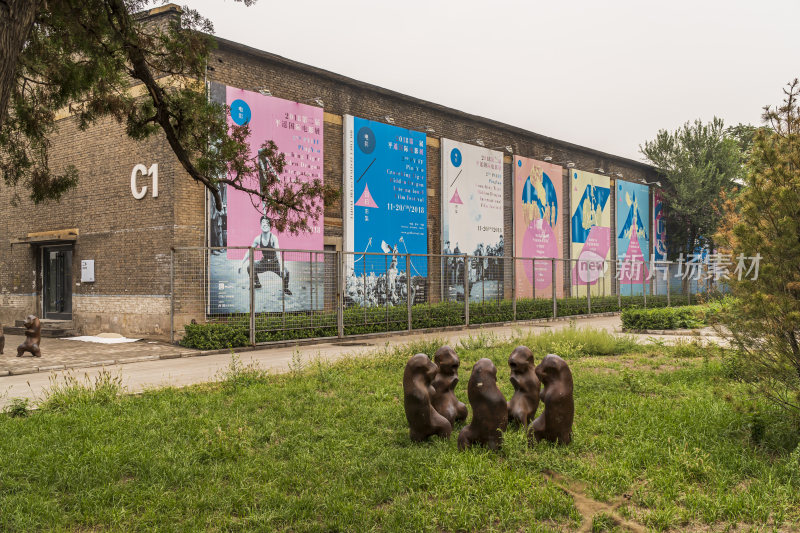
[(604, 74)]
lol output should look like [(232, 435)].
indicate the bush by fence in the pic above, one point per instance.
[(663, 318), (233, 332)]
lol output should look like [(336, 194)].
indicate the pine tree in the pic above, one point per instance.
[(764, 219), (699, 162), (85, 55)]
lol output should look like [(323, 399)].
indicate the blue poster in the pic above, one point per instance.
[(633, 242), (385, 207)]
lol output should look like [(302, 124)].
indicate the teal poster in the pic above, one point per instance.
[(633, 242)]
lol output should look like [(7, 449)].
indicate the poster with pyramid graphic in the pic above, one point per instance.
[(633, 240), (385, 209), (472, 219), (538, 227), (591, 233)]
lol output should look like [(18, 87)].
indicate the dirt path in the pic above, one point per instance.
[(590, 508)]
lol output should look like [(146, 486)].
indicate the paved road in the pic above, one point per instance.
[(181, 372)]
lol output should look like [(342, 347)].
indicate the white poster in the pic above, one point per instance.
[(472, 218)]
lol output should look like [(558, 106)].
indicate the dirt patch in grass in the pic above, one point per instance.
[(589, 507)]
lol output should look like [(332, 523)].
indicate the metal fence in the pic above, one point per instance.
[(270, 294)]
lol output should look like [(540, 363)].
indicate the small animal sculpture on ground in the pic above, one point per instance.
[(444, 398), (523, 404), (423, 420), (33, 337), (2, 339), (489, 409), (555, 423)]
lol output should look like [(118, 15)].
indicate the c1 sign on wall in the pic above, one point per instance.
[(141, 169)]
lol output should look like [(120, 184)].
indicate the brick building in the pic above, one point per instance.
[(129, 240)]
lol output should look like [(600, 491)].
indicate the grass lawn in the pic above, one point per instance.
[(661, 441)]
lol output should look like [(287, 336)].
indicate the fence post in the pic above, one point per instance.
[(364, 297), (644, 285), (618, 285), (688, 292), (172, 295), (588, 290), (251, 261), (386, 287), (668, 289), (514, 288), (283, 292), (408, 289), (339, 295), (466, 291), (553, 284)]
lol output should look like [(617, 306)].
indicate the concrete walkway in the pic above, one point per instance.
[(58, 354), (176, 371)]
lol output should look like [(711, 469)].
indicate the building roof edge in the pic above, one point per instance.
[(225, 43)]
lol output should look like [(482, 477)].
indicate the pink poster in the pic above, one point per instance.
[(589, 266), (537, 226), (297, 131)]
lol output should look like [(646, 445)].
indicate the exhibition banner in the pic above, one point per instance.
[(385, 206), (284, 281), (633, 243), (538, 230), (591, 232), (659, 228), (472, 218), (659, 240)]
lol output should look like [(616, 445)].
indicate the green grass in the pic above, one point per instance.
[(659, 436)]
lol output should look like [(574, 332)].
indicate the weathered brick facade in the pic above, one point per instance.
[(130, 240)]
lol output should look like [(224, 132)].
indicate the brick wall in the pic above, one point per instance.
[(130, 240)]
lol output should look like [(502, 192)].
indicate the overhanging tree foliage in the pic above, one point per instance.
[(765, 219), (85, 55), (699, 162)]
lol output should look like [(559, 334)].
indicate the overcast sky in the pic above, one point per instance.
[(605, 74)]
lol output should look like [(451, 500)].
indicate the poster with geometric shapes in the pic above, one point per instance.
[(633, 242), (472, 218), (538, 230), (289, 281), (385, 211), (659, 240), (591, 232), (659, 228)]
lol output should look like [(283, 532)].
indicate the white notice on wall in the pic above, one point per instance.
[(87, 270)]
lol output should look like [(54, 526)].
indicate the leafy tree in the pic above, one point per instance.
[(699, 162), (84, 55), (765, 219)]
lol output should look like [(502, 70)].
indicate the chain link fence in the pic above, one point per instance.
[(270, 294)]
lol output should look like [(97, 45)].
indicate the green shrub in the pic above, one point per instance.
[(215, 336), (661, 318), (713, 311), (18, 408), (232, 331)]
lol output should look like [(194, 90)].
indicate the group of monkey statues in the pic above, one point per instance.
[(33, 338), (432, 407)]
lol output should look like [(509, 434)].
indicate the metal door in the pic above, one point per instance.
[(57, 282)]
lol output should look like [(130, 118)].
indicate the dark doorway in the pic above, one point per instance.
[(57, 282)]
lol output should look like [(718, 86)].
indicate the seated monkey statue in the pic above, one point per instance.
[(555, 423), (423, 420), (523, 404), (33, 337), (489, 409), (444, 398)]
